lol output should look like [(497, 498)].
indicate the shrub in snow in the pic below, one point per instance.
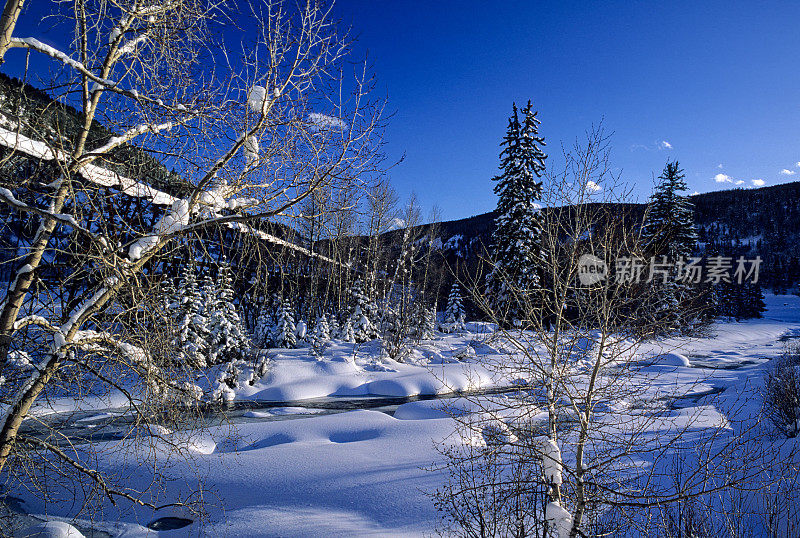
[(285, 335), (227, 383), (191, 325), (228, 340), (259, 370), (454, 317), (498, 433), (782, 392)]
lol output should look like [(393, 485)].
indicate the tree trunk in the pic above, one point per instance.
[(8, 20)]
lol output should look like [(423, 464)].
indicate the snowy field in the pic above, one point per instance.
[(282, 468)]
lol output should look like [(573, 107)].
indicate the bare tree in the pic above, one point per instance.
[(574, 443), (249, 139)]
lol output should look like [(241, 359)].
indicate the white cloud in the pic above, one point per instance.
[(797, 164), (739, 182), (787, 172), (758, 182), (665, 145), (591, 186), (723, 178), (719, 166), (695, 193)]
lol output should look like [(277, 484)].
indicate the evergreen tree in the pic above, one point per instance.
[(320, 336), (454, 317), (669, 225), (669, 236), (347, 333), (740, 301), (284, 335), (333, 326), (516, 241), (191, 339), (428, 328), (228, 339), (363, 328), (265, 326)]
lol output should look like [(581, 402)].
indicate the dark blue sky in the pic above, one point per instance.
[(718, 81)]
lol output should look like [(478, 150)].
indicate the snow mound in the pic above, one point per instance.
[(670, 359), (420, 411), (52, 529)]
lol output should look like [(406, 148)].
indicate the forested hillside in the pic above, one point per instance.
[(761, 222)]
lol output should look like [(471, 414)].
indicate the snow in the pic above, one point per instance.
[(257, 99), (671, 359), (172, 222), (251, 151), (559, 518), (367, 472), (33, 43), (95, 174), (52, 529), (551, 461), (324, 122)]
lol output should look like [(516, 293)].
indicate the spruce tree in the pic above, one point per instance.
[(347, 334), (516, 241), (191, 339), (265, 326), (668, 235), (428, 329), (228, 339), (454, 317), (320, 336), (363, 327), (669, 225), (284, 335)]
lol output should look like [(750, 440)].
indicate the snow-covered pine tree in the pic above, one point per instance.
[(265, 326), (191, 325), (359, 319), (284, 335), (516, 242), (428, 328), (668, 228), (347, 334), (228, 339), (668, 235), (320, 336), (333, 326), (171, 300), (454, 316)]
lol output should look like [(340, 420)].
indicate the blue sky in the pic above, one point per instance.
[(718, 81)]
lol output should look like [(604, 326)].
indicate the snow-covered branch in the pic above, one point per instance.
[(129, 135)]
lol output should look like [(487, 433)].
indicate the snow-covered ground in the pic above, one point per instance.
[(298, 471)]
